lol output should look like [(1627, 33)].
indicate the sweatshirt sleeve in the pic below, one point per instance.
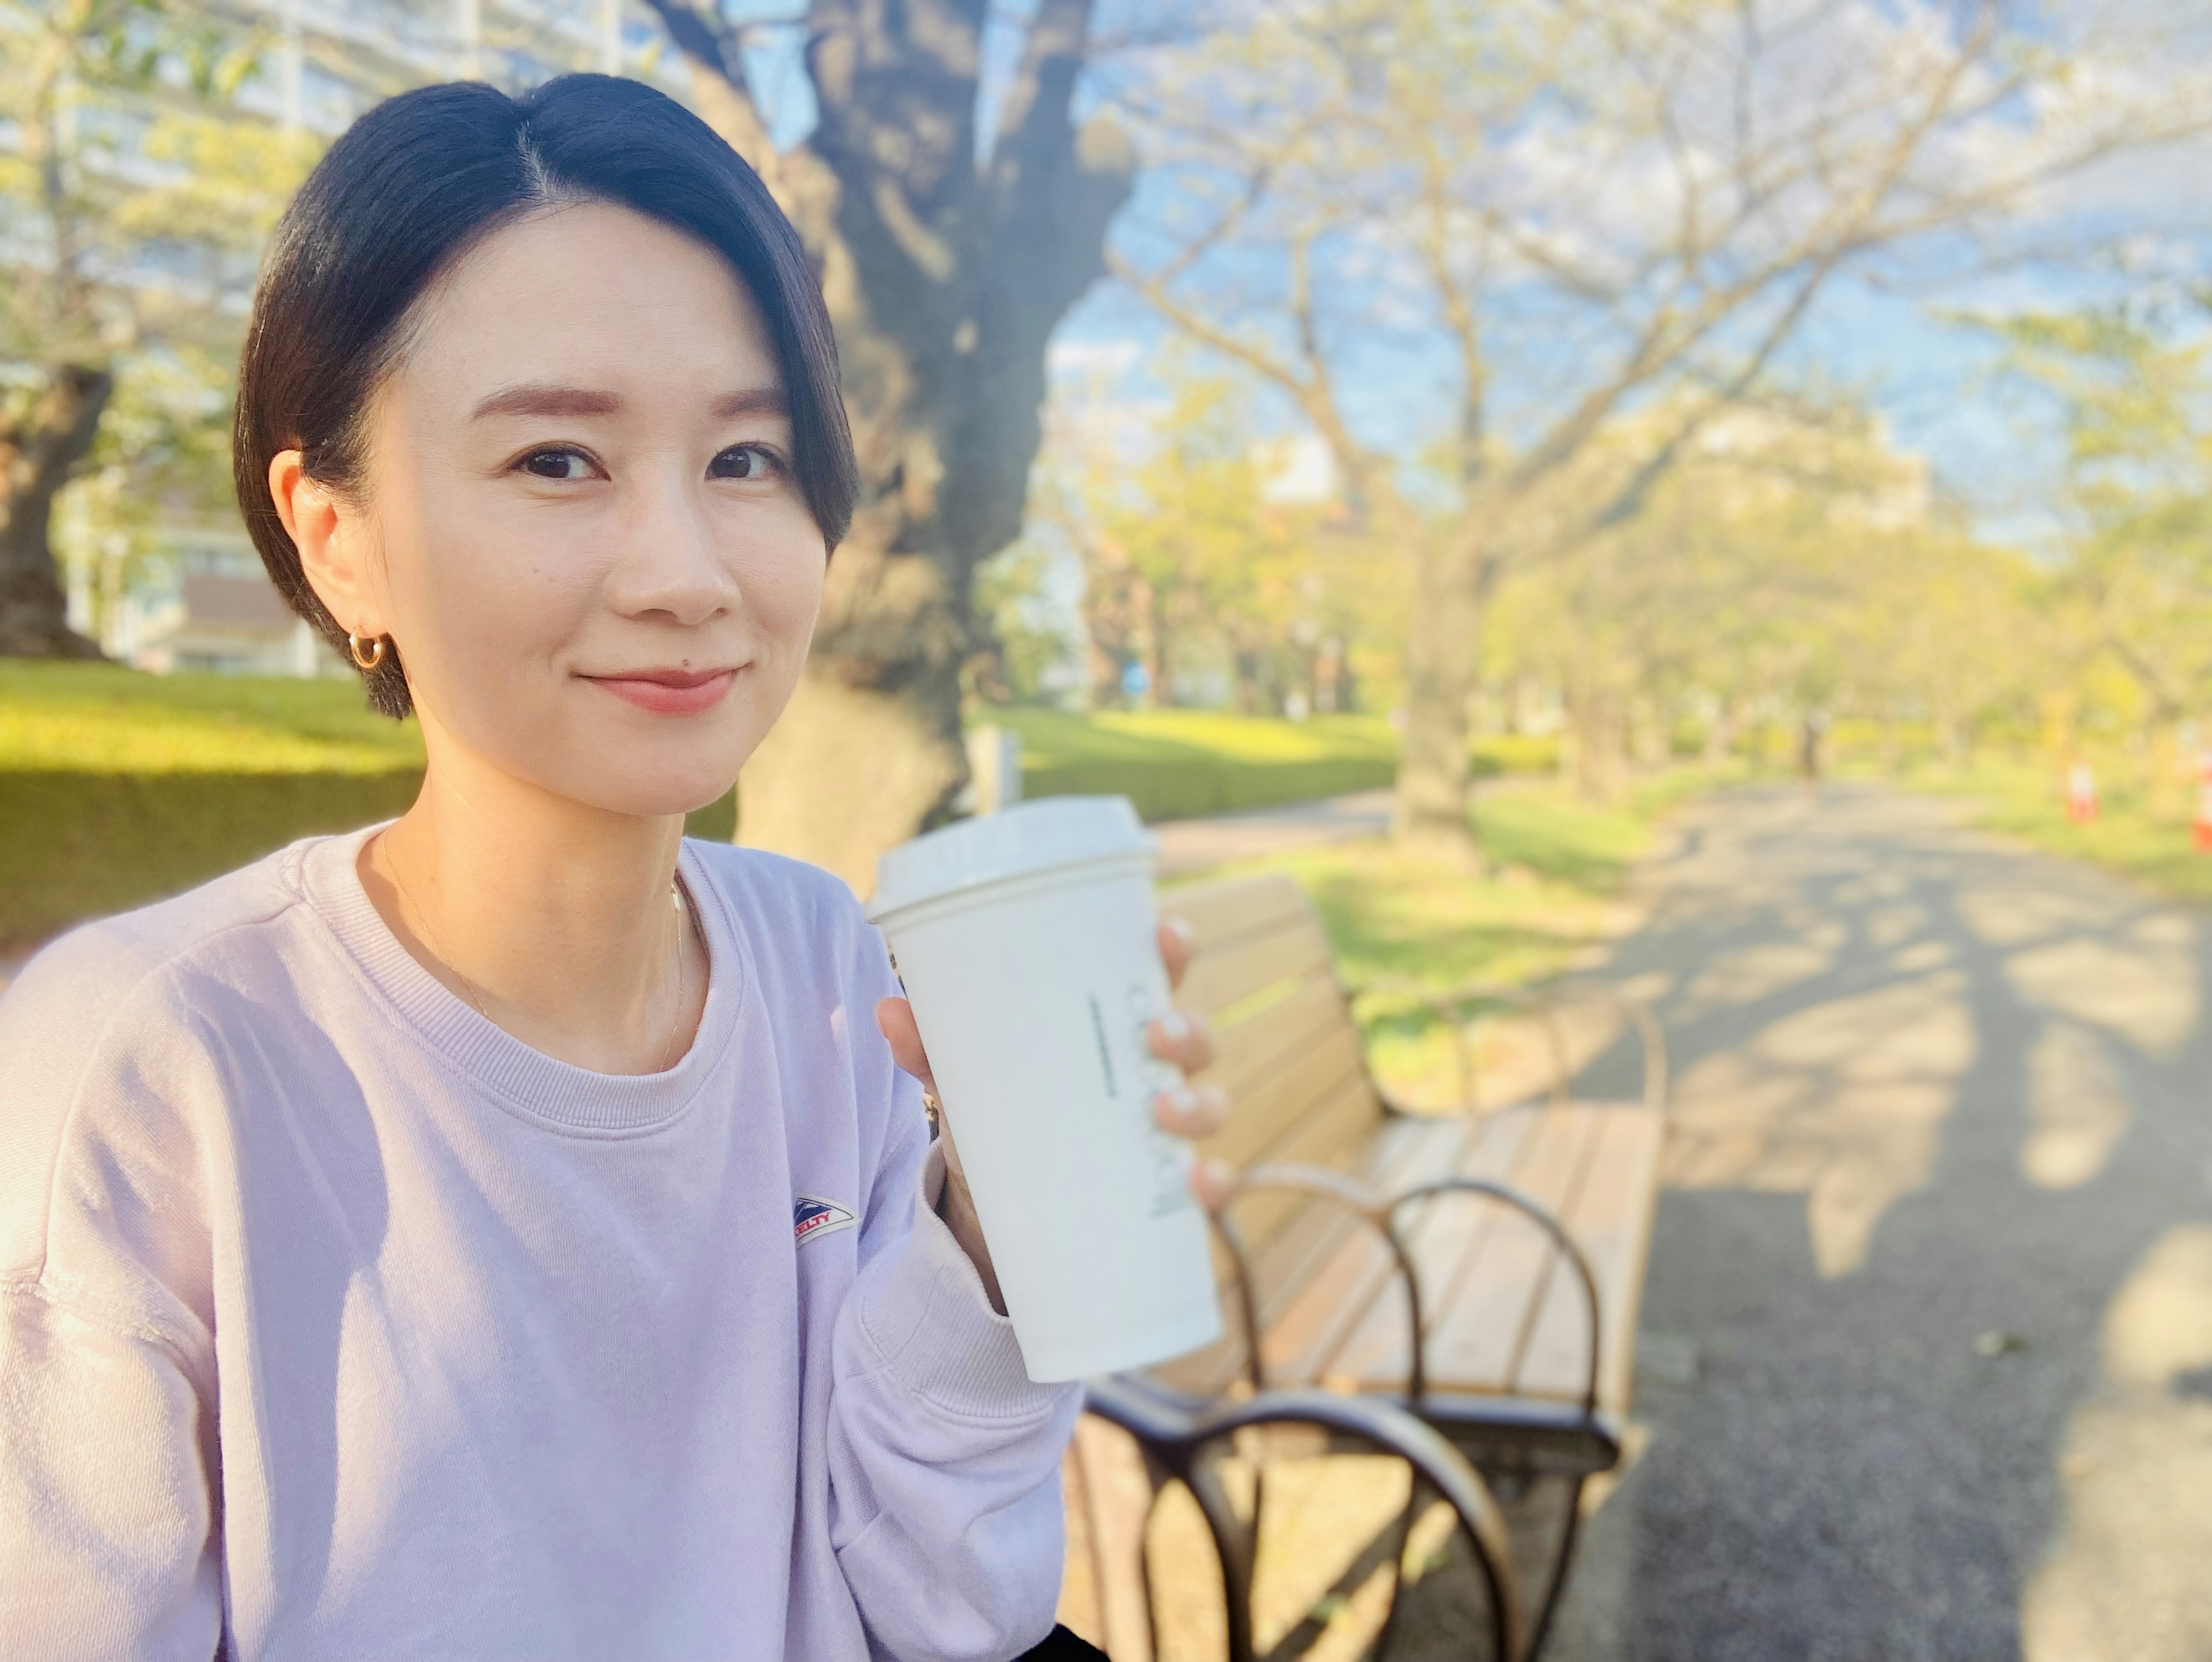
[(944, 1503), (106, 1544), (108, 1432)]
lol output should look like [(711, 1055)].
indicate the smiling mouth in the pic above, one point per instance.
[(669, 692)]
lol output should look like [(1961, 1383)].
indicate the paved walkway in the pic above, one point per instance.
[(1189, 846), (1931, 1290)]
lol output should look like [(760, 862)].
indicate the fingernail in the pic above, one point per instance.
[(1184, 931), (1214, 1180), (1174, 1026), (1183, 1101)]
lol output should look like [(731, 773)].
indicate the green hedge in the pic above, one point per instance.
[(1179, 764), (75, 845), (78, 845)]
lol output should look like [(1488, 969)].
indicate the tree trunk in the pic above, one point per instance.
[(1719, 735), (1597, 713), (36, 458), (945, 278), (1443, 661)]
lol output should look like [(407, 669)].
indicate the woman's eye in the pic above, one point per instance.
[(742, 462), (556, 464)]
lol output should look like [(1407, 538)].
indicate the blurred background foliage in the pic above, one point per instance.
[(1454, 406)]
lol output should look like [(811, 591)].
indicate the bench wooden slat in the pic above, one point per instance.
[(1308, 1236), (1273, 1037), (1218, 912), (1291, 1257), (1441, 1233), (1483, 1315), (1271, 1108), (1359, 1274), (1293, 950), (1283, 1231), (1611, 1222), (1335, 1135)]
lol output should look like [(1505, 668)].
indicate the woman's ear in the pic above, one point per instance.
[(330, 542)]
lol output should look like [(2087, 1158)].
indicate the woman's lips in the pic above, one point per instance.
[(669, 692)]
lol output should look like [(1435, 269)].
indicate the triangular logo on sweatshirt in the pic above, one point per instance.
[(811, 1215)]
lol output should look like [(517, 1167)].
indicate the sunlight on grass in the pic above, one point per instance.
[(2134, 834), (1058, 738), (103, 718), (1560, 873)]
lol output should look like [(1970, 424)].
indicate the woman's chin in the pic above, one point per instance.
[(656, 798)]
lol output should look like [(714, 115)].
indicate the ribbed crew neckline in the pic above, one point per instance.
[(560, 1094)]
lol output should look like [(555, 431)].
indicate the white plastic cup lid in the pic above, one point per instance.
[(1028, 836)]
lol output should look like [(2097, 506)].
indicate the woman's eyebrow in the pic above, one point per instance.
[(537, 398), (753, 401)]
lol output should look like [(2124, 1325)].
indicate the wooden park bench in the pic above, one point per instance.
[(1472, 1276)]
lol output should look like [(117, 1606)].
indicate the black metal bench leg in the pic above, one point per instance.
[(1562, 1564), (1388, 1632), (1237, 1547)]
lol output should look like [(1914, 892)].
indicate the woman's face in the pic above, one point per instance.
[(581, 527)]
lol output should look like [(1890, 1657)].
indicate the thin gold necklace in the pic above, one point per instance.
[(668, 1052)]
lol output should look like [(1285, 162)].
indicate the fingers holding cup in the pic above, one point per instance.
[(1194, 1112), (1177, 940), (1182, 1038)]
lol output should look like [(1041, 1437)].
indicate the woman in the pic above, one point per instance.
[(399, 1246)]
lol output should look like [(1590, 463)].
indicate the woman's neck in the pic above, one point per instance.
[(553, 918)]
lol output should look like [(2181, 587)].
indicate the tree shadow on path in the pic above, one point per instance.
[(1939, 1227)]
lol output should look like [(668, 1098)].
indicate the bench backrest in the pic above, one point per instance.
[(1289, 1055)]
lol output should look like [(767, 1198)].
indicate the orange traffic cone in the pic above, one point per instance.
[(2200, 830)]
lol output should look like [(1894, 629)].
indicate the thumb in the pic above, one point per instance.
[(894, 1021)]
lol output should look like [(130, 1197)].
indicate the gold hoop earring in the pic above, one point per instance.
[(375, 655)]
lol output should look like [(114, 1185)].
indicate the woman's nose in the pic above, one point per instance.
[(670, 562)]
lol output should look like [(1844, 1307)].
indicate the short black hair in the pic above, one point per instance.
[(418, 181)]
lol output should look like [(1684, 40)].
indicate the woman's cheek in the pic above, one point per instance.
[(503, 614), (785, 587)]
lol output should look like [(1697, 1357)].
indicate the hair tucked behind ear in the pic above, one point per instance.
[(406, 192)]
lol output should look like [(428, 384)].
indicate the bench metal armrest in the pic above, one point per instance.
[(1506, 1195), (1380, 1213), (1354, 1196), (1176, 1438), (1451, 1006)]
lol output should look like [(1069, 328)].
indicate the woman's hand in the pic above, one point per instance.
[(1188, 1110)]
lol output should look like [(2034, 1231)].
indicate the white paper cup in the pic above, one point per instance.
[(1025, 940)]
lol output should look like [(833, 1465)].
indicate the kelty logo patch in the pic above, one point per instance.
[(811, 1215)]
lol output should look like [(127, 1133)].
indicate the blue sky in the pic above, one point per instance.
[(1914, 353), (1930, 375)]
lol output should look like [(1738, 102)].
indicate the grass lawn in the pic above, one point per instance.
[(101, 718), (2138, 837), (1557, 890), (1179, 764), (1055, 738)]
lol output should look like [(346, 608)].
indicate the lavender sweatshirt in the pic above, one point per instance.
[(336, 1322)]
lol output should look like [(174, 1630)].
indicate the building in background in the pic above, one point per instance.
[(189, 593)]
